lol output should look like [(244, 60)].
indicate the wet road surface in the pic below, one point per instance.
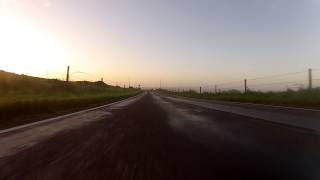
[(159, 138)]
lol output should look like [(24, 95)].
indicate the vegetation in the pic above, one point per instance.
[(24, 98), (299, 98)]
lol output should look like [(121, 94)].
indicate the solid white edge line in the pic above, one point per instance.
[(272, 106), (63, 116), (231, 103)]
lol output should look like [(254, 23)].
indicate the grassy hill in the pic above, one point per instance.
[(24, 98)]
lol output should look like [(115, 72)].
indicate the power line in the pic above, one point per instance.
[(286, 82), (231, 88), (257, 78), (278, 75)]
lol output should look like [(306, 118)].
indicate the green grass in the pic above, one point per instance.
[(24, 98), (299, 98)]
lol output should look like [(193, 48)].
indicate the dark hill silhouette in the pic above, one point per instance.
[(11, 82)]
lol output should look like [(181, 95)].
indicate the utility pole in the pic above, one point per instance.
[(101, 79), (200, 89), (245, 86), (310, 79), (68, 70)]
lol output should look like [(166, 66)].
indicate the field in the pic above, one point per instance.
[(25, 99), (300, 98)]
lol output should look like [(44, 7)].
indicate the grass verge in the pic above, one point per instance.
[(25, 99), (300, 98)]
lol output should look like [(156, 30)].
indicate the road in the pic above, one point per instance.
[(157, 137)]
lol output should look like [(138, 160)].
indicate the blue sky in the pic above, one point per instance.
[(183, 42)]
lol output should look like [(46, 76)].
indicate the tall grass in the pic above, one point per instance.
[(299, 98), (24, 97)]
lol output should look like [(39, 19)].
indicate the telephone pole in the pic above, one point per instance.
[(200, 89), (310, 79), (245, 86), (68, 70)]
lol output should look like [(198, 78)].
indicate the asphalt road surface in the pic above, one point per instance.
[(156, 137)]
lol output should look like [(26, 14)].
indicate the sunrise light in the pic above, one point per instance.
[(27, 49)]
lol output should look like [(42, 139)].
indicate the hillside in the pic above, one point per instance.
[(25, 99)]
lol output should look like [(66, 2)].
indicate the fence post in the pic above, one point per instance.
[(245, 86), (310, 79), (68, 70)]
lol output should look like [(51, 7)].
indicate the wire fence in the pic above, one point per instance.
[(80, 75), (75, 75), (278, 82)]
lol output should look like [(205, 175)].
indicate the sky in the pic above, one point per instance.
[(183, 43)]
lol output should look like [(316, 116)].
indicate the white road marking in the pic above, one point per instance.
[(297, 117), (18, 138)]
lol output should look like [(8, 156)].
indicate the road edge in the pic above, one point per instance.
[(61, 117)]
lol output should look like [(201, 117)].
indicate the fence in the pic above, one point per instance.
[(310, 78), (74, 75), (78, 75)]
